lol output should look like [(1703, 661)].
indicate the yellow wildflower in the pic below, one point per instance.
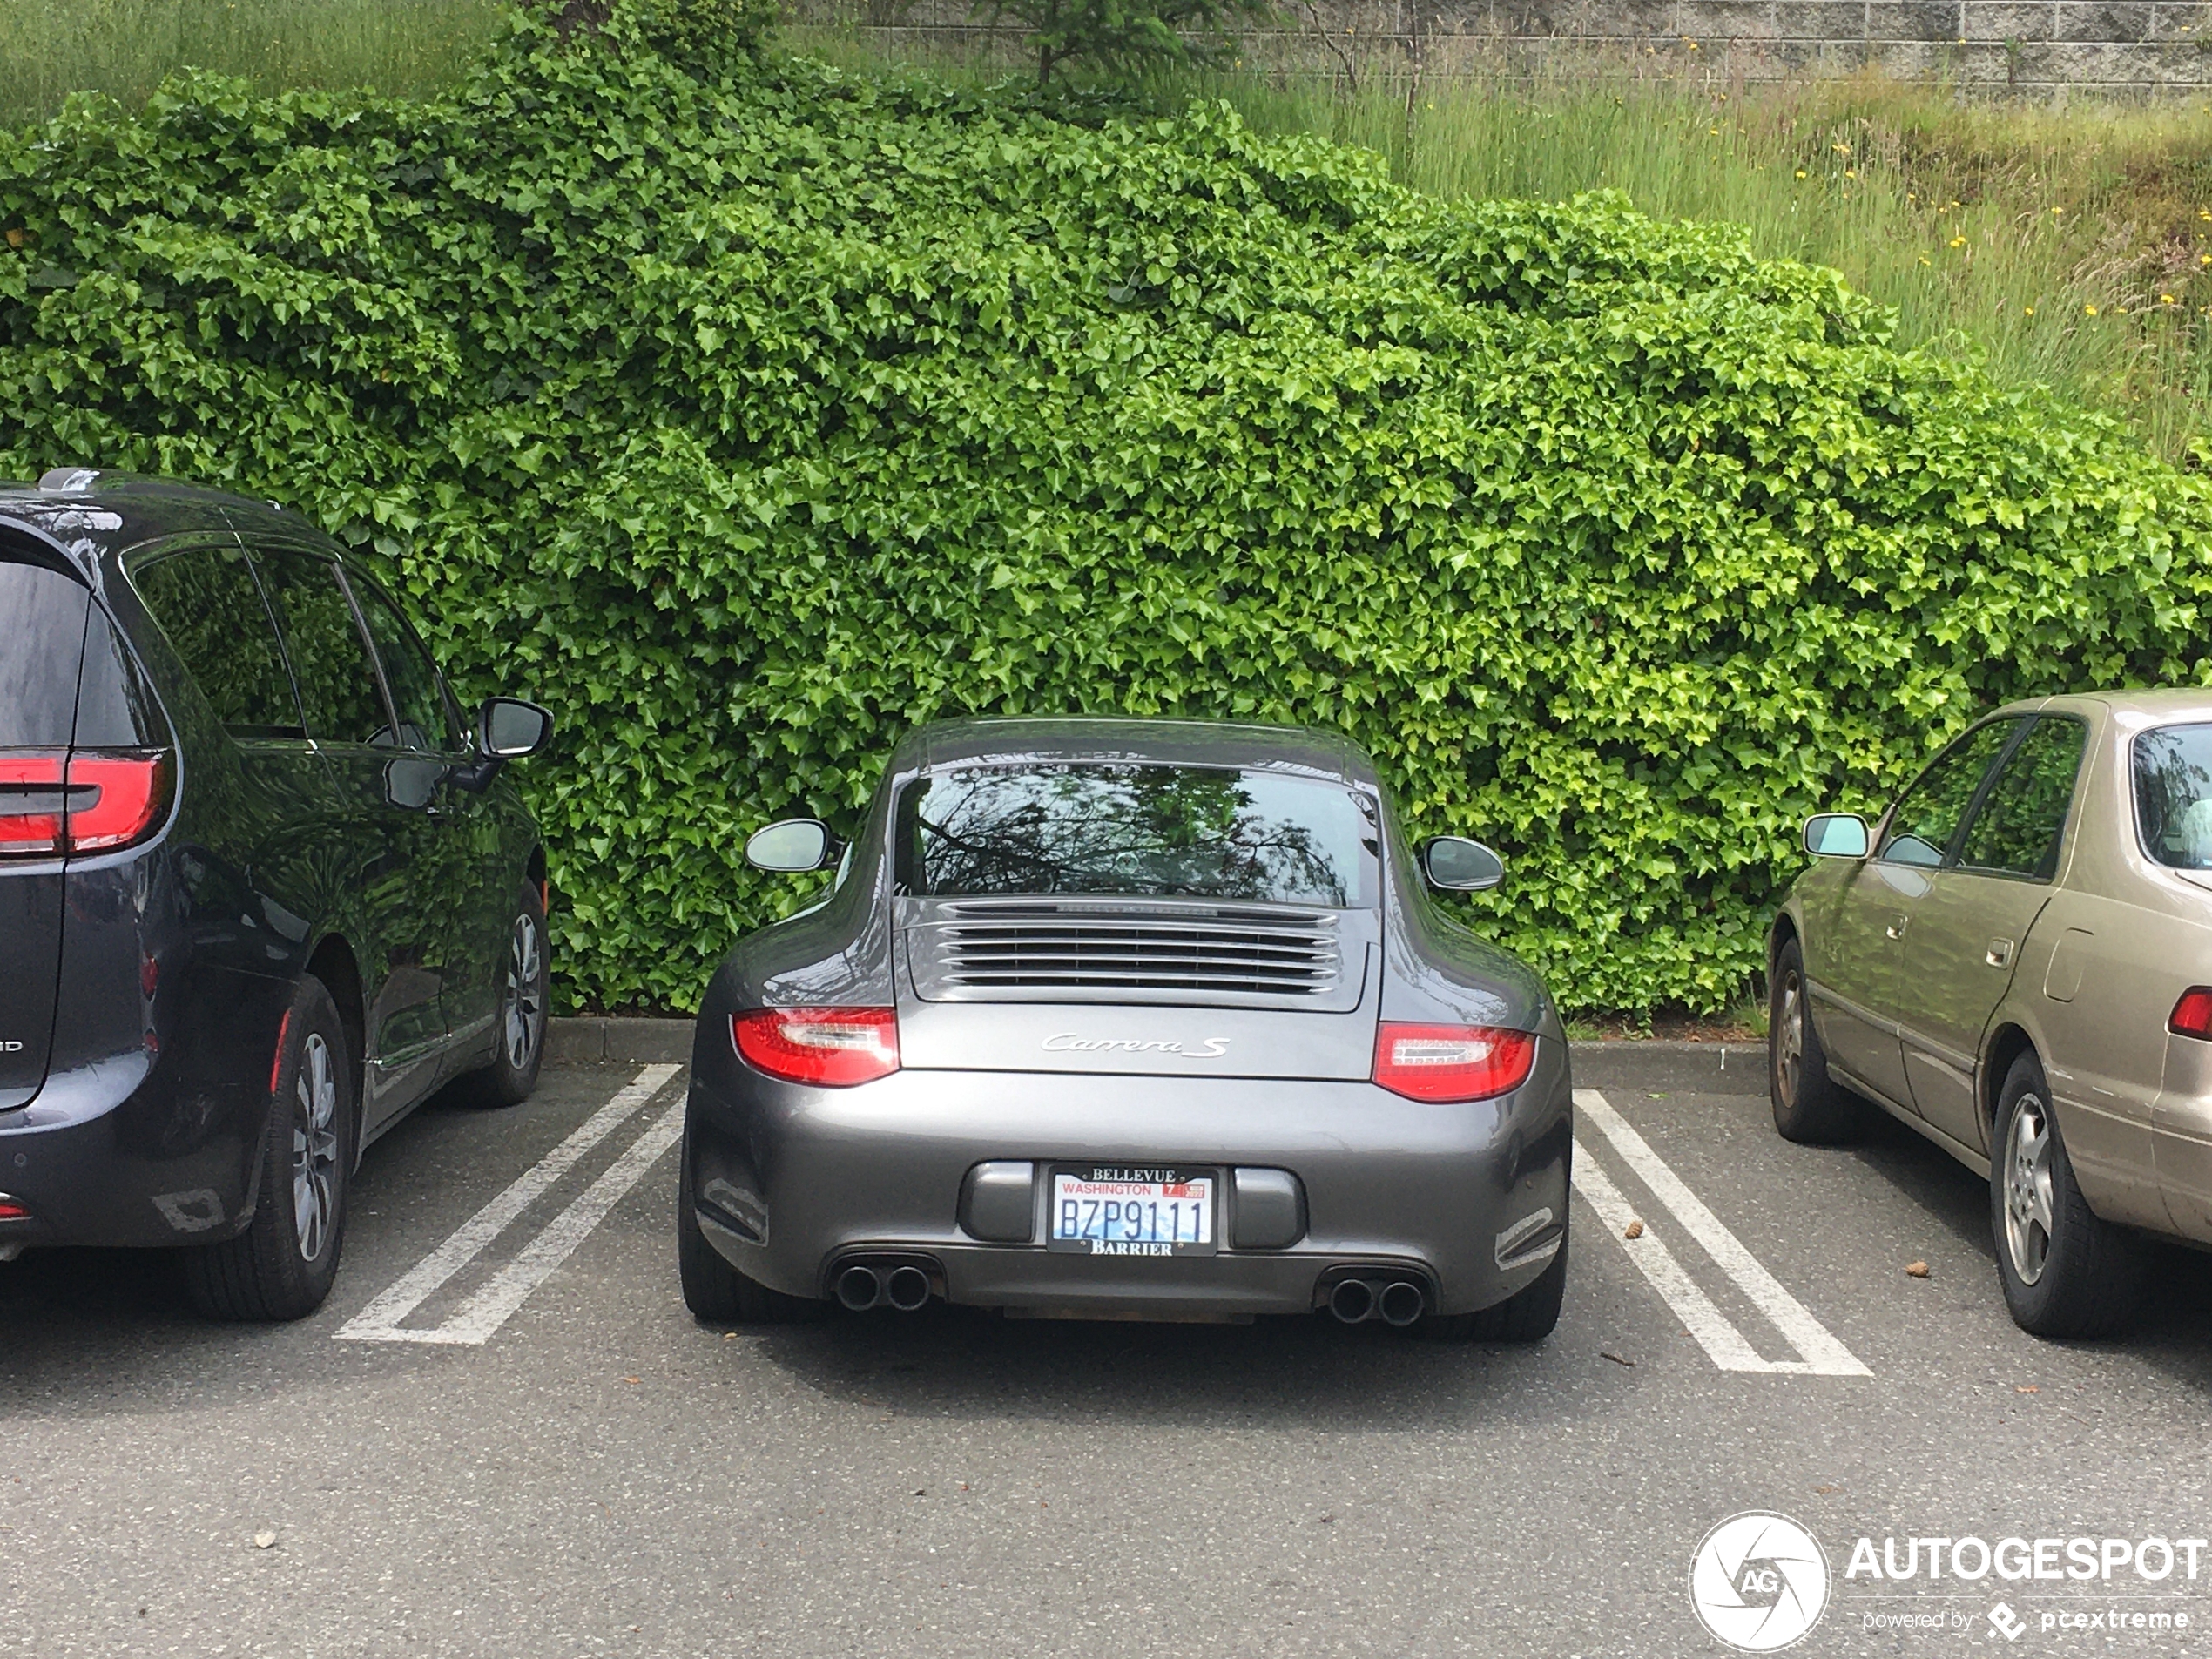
[(2090, 311)]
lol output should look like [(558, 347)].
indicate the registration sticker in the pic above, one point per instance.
[(1132, 1210)]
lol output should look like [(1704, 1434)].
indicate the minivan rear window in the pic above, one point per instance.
[(2174, 795), (1149, 831), (41, 642)]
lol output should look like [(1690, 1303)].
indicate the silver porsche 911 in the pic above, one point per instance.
[(1149, 1019)]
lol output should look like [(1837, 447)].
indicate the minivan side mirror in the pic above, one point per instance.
[(1454, 864), (508, 728), (790, 846), (1837, 835)]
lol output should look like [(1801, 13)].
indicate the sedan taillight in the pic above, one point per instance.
[(834, 1047), (1452, 1063), (52, 805), (2192, 1016)]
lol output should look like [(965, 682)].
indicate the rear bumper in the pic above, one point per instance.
[(790, 1181), (110, 1154)]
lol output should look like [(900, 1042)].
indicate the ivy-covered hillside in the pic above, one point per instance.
[(747, 414)]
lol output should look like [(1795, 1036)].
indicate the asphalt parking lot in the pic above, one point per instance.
[(504, 1435)]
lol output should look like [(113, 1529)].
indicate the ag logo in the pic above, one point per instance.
[(1758, 1581)]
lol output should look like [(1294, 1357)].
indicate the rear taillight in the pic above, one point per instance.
[(51, 805), (835, 1047), (115, 799), (2192, 1016), (1452, 1063), (32, 805)]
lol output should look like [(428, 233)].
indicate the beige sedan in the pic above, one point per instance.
[(2017, 962)]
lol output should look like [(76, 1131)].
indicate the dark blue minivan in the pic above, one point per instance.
[(262, 888)]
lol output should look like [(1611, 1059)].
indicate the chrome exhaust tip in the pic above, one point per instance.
[(1352, 1300), (907, 1289), (1401, 1303), (860, 1288)]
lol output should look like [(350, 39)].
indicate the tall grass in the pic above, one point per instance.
[(51, 48), (2072, 248)]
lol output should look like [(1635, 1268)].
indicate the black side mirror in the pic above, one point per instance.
[(508, 728), (790, 846), (1454, 864)]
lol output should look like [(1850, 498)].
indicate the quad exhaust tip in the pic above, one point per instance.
[(1397, 1302), (906, 1287)]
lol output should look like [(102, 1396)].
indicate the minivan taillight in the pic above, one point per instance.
[(2192, 1016), (32, 805), (1452, 1063), (53, 805), (834, 1047), (115, 798)]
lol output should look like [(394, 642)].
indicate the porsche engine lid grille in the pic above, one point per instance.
[(1031, 946)]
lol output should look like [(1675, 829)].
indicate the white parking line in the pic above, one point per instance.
[(1824, 1355), (1692, 1306), (380, 1321)]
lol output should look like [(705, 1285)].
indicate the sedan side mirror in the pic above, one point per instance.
[(1835, 835), (1454, 864), (508, 728), (791, 846)]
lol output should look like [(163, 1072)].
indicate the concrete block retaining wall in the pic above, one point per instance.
[(2047, 47)]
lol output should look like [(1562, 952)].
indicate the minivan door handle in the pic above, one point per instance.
[(2000, 953), (1896, 929)]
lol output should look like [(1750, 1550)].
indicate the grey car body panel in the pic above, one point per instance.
[(789, 1179)]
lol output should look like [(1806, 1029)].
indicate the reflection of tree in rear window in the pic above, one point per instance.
[(1194, 832), (2174, 795)]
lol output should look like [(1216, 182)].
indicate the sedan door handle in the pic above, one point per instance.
[(2000, 953), (1896, 929)]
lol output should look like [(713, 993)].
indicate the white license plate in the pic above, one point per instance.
[(1132, 1210)]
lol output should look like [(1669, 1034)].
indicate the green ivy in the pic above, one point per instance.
[(748, 412)]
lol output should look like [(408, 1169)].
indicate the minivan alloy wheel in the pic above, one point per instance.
[(2026, 1176), (525, 1008), (314, 1147)]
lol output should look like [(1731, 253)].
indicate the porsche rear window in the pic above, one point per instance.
[(1134, 830), (2174, 795)]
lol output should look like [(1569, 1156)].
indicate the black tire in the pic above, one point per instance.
[(525, 986), (715, 1292), (1528, 1315), (282, 1267), (1810, 1107), (2088, 1280)]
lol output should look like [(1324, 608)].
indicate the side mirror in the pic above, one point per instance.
[(508, 728), (1454, 864), (794, 845), (1835, 835)]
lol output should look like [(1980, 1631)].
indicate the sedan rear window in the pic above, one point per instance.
[(1149, 831), (2174, 795)]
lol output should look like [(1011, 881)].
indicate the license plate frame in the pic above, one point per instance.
[(1133, 1175)]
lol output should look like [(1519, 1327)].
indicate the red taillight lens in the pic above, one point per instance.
[(2192, 1016), (51, 805), (32, 805), (115, 798), (1449, 1062), (833, 1046)]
